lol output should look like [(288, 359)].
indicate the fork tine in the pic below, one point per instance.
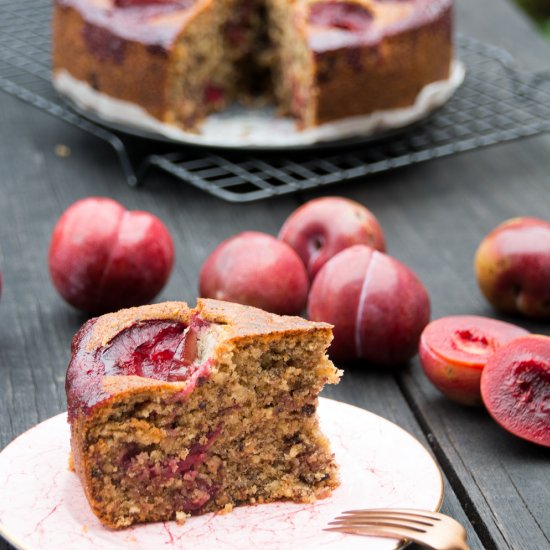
[(404, 511), (409, 518), (383, 522), (376, 530), (432, 530)]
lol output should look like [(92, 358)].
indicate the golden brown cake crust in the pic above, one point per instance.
[(376, 55), (389, 72), (86, 381), (253, 322), (240, 320)]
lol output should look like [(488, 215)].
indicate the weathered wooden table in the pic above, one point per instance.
[(434, 216)]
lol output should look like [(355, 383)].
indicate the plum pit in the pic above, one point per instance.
[(472, 341)]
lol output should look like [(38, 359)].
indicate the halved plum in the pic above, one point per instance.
[(453, 351), (515, 387)]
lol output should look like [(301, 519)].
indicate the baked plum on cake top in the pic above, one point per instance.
[(319, 60), (177, 411)]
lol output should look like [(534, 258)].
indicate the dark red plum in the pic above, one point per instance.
[(103, 257), (256, 269), (453, 351), (377, 305), (321, 228)]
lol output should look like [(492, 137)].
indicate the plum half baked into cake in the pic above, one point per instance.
[(177, 411), (318, 60)]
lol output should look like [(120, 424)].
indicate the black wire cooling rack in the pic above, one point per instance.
[(496, 103)]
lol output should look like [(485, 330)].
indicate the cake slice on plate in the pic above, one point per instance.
[(178, 411)]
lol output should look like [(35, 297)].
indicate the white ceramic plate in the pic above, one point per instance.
[(42, 505), (254, 128)]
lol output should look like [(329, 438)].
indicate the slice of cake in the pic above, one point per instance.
[(178, 411)]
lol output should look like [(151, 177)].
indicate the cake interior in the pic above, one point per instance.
[(262, 50), (235, 427), (224, 57), (257, 51), (292, 66)]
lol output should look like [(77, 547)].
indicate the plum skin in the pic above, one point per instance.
[(460, 383), (456, 371), (512, 267), (377, 305), (515, 388), (103, 257), (256, 269), (321, 228)]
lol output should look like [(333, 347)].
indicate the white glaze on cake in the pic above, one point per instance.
[(240, 127)]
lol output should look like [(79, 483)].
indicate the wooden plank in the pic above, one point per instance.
[(498, 473), (433, 214)]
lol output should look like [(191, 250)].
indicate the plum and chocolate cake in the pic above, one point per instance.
[(177, 411), (318, 60)]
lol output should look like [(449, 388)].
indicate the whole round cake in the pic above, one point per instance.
[(317, 60)]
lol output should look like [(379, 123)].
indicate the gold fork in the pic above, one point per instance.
[(429, 529)]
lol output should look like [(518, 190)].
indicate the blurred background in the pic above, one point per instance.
[(539, 10)]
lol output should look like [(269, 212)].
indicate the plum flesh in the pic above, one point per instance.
[(157, 349), (347, 16), (453, 351), (515, 387)]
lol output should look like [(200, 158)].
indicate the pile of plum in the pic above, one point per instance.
[(329, 260)]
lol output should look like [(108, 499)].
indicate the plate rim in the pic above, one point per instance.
[(16, 543)]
